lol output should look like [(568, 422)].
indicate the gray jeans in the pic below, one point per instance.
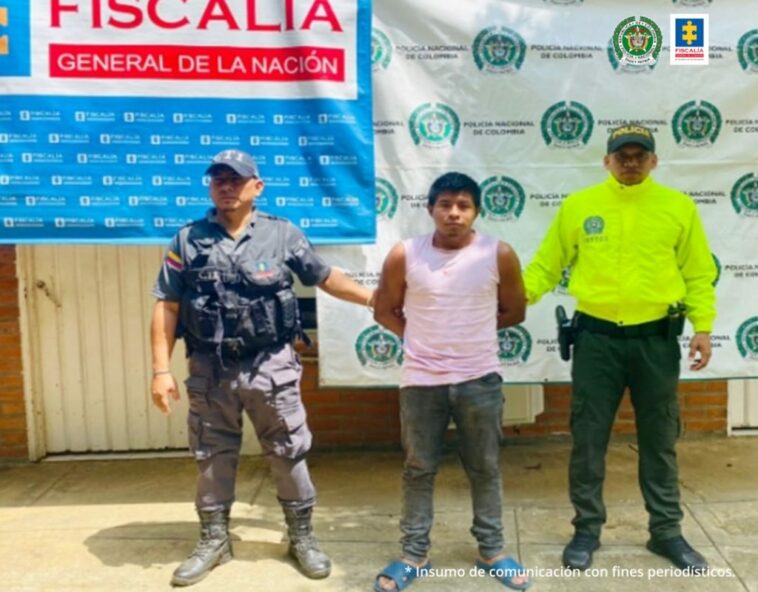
[(270, 395), (476, 406)]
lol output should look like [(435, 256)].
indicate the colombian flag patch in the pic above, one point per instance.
[(174, 261)]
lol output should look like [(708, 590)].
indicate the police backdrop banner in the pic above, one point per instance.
[(111, 110), (521, 95)]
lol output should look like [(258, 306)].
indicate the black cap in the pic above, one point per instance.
[(631, 133), (240, 162)]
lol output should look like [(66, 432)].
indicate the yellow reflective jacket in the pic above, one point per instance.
[(632, 251)]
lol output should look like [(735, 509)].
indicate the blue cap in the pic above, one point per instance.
[(240, 162)]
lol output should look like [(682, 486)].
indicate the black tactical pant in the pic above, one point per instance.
[(603, 367), (270, 395)]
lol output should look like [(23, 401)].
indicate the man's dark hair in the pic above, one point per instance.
[(455, 183)]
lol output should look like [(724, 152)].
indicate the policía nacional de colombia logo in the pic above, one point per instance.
[(378, 348), (515, 345), (498, 50), (503, 198), (386, 199), (381, 50), (637, 40), (626, 67), (567, 124), (745, 195), (434, 125), (594, 225), (696, 123), (747, 339), (747, 51)]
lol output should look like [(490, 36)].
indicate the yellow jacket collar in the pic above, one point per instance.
[(629, 191)]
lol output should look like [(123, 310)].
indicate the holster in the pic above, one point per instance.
[(677, 314), (566, 332)]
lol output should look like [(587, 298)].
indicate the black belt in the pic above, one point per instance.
[(595, 325), (229, 351)]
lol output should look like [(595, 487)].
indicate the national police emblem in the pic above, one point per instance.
[(378, 348), (503, 198), (567, 124), (515, 345), (626, 67), (696, 123), (381, 50), (498, 50), (637, 41), (747, 51), (594, 225), (386, 199), (747, 338), (745, 195), (434, 125)]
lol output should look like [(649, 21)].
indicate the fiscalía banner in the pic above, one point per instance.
[(110, 111), (520, 95)]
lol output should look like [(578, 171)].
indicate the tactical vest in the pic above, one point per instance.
[(236, 310)]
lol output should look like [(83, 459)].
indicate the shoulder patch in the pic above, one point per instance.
[(271, 217)]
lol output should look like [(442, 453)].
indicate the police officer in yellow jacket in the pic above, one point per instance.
[(225, 286), (639, 261)]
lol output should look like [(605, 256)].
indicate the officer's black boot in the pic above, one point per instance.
[(303, 544), (213, 548)]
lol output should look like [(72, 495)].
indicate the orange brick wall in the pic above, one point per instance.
[(12, 412), (349, 416), (370, 416), (703, 409)]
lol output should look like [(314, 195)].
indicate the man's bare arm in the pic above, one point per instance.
[(390, 295), (340, 286), (162, 340), (511, 295)]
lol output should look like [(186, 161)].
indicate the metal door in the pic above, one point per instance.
[(86, 316)]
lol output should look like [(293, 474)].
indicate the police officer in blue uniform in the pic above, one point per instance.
[(225, 286)]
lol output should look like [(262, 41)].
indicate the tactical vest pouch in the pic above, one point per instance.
[(263, 311), (202, 280), (289, 311), (199, 318)]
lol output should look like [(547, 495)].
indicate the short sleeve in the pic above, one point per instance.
[(169, 284), (302, 259)]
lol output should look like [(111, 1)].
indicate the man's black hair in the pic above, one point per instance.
[(455, 183)]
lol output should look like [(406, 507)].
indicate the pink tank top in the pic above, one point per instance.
[(451, 312)]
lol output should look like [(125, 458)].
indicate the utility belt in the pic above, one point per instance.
[(585, 322), (670, 327), (231, 350)]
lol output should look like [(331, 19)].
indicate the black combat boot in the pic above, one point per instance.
[(314, 563), (213, 548)]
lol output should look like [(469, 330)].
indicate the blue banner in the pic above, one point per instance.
[(106, 140)]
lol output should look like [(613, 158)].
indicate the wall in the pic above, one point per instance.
[(12, 412)]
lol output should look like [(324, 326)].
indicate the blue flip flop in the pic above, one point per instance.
[(504, 570), (401, 573)]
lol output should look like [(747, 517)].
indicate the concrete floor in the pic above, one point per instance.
[(125, 525)]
